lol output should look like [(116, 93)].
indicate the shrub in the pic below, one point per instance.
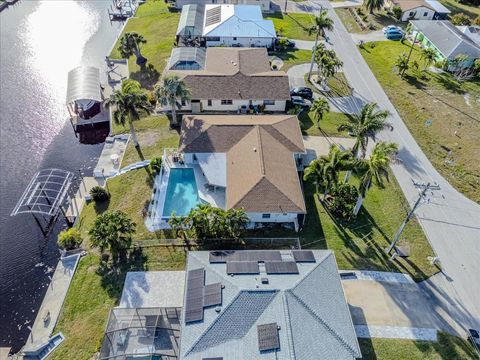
[(359, 11), (274, 67), (461, 19), (99, 194), (372, 45), (372, 26), (69, 239), (365, 18), (397, 12), (344, 197), (477, 21), (155, 165), (151, 97)]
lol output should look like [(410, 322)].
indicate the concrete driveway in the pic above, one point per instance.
[(319, 145)]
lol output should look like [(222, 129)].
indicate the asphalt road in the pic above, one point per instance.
[(450, 221)]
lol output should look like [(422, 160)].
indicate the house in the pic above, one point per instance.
[(446, 39), (472, 31), (225, 25), (420, 9), (265, 304), (230, 79), (233, 161), (264, 4)]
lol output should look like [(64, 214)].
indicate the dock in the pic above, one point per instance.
[(81, 197), (52, 303)]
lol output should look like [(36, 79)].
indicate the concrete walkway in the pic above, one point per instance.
[(450, 220), (52, 303)]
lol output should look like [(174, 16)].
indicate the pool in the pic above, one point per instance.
[(182, 192)]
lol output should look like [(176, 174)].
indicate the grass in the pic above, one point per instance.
[(375, 21), (293, 57), (348, 20), (456, 7), (292, 26), (155, 21), (93, 293), (447, 347), (451, 140), (328, 125)]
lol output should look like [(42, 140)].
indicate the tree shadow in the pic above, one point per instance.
[(449, 83), (147, 77), (113, 277), (415, 81), (101, 206)]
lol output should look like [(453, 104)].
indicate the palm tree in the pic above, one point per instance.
[(328, 63), (172, 89), (130, 45), (112, 231), (372, 5), (319, 108), (325, 170), (321, 22), (130, 100), (402, 64), (374, 169), (428, 55), (363, 125), (179, 225)]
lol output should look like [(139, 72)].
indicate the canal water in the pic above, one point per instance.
[(40, 42)]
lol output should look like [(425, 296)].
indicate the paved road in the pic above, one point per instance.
[(450, 221)]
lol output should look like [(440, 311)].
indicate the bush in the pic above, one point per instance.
[(372, 45), (477, 21), (69, 239), (397, 12), (151, 98), (461, 19), (344, 197), (274, 67), (99, 194), (155, 165), (372, 26), (359, 11)]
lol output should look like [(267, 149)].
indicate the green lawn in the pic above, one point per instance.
[(378, 20), (293, 57), (441, 113), (158, 26), (292, 26), (447, 347), (456, 7), (328, 125)]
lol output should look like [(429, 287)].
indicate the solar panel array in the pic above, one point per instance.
[(303, 256), (213, 16), (212, 295), (244, 255), (243, 267), (268, 337), (281, 267), (194, 295)]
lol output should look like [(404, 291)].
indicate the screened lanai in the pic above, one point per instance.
[(190, 26), (142, 333)]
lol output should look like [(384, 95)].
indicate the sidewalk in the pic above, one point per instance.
[(52, 303)]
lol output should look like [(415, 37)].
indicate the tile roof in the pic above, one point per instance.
[(260, 161), (309, 308), (234, 73), (447, 38)]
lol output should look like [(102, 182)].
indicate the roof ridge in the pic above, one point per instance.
[(307, 274), (324, 323), (272, 127), (262, 160)]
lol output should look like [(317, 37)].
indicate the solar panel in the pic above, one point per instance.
[(213, 16), (242, 267), (281, 267), (303, 256), (268, 337), (244, 255), (194, 295), (212, 295)]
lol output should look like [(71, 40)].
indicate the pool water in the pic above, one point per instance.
[(182, 192)]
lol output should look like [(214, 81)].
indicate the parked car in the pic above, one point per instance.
[(299, 101), (394, 36), (289, 43), (303, 92), (390, 28)]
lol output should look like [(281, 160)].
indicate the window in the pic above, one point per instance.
[(227, 102), (268, 102), (425, 13), (213, 38), (265, 216), (411, 13), (209, 102), (234, 38), (183, 102)]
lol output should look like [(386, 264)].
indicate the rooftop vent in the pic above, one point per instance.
[(264, 280)]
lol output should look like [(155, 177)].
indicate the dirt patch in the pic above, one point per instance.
[(149, 138)]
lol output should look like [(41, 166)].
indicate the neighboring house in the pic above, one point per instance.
[(420, 9), (229, 79), (225, 25), (248, 162), (265, 4), (265, 304), (472, 31), (446, 39)]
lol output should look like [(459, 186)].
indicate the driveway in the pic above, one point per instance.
[(371, 36), (320, 145), (449, 220)]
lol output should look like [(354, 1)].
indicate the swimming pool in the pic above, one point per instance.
[(182, 192)]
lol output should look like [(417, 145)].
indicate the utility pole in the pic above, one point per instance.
[(411, 49), (421, 196)]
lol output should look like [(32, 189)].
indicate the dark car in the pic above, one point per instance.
[(303, 92), (299, 101), (288, 43)]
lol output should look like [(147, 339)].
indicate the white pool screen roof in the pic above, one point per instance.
[(84, 84), (213, 166)]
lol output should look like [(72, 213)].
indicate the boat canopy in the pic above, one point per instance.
[(84, 84)]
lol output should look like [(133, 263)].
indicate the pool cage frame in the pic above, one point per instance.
[(134, 332)]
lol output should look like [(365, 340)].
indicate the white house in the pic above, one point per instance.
[(264, 4), (420, 9), (225, 25), (230, 79), (249, 160)]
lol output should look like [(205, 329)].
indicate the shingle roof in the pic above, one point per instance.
[(261, 169), (449, 40), (309, 307), (233, 73), (407, 5)]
